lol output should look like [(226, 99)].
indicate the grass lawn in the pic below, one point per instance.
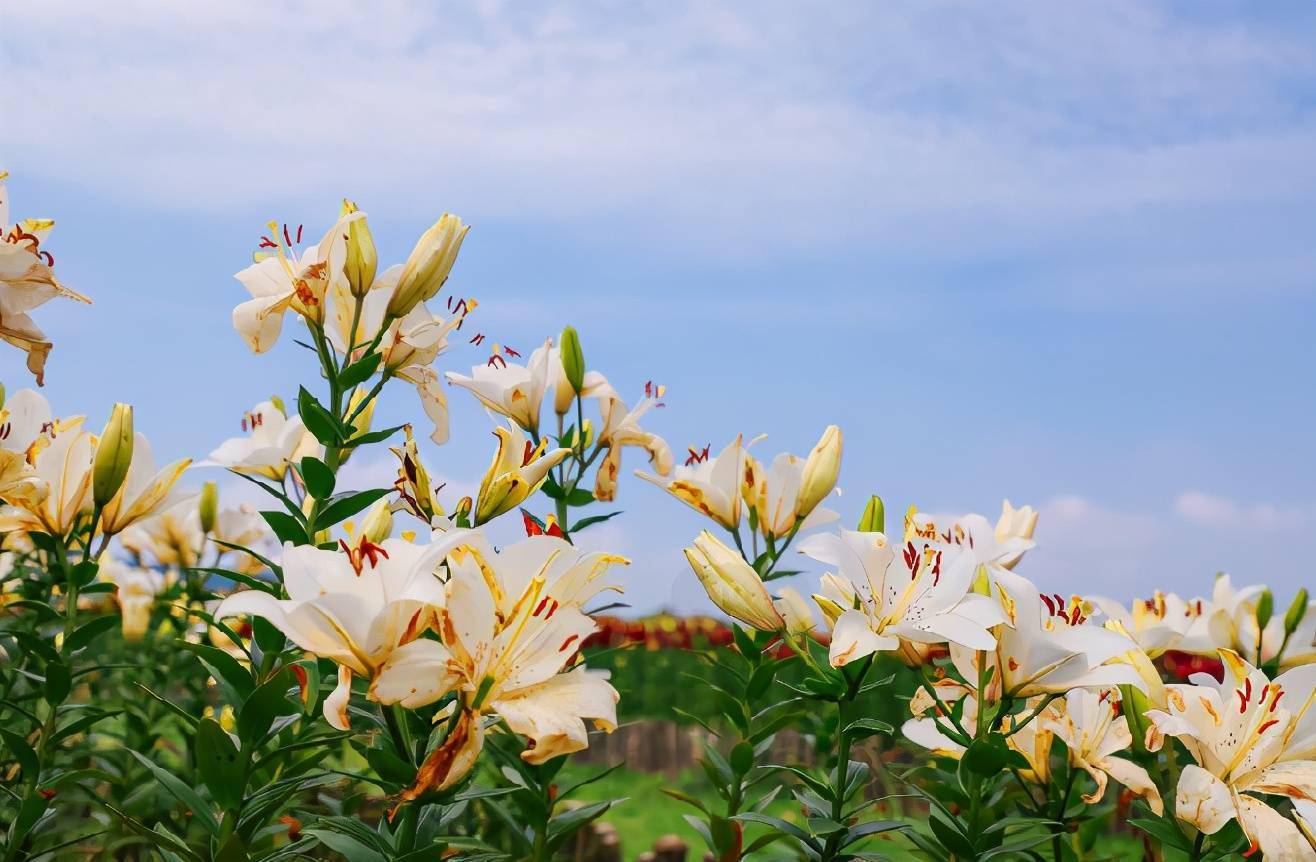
[(647, 814)]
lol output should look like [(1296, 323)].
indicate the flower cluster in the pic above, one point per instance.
[(201, 675)]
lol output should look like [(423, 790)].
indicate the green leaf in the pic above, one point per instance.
[(23, 753), (865, 727), (876, 827), (318, 420), (58, 682), (318, 477), (84, 573), (562, 825), (1163, 831), (579, 497), (222, 666), (373, 436), (591, 521), (360, 371), (742, 758), (347, 505), (190, 799), (220, 765), (266, 702), (87, 633), (990, 754), (45, 613), (781, 826), (285, 527)]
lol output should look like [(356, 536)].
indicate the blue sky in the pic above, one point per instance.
[(1059, 253)]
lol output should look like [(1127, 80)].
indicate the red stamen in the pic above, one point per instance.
[(568, 642)]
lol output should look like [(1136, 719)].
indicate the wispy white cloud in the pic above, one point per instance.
[(1209, 510), (739, 127)]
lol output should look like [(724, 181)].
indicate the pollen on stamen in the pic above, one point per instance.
[(568, 642)]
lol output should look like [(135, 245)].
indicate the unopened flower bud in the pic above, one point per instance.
[(360, 421), (573, 359), (732, 584), (362, 260), (1265, 608), (1296, 612), (428, 265), (114, 453), (208, 508), (820, 471), (874, 519), (378, 523)]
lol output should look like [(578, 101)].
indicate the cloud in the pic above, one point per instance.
[(735, 128), (1209, 510)]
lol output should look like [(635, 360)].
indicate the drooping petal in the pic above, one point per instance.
[(415, 674), (1203, 800), (335, 705), (853, 638)]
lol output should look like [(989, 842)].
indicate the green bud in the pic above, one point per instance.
[(362, 260), (114, 453), (208, 508), (874, 519), (1265, 608), (1297, 611), (573, 359)]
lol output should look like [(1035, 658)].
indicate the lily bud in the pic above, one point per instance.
[(208, 508), (820, 471), (1296, 612), (573, 359), (361, 422), (1265, 608), (378, 523), (732, 584), (114, 453), (362, 261), (428, 265), (874, 519)]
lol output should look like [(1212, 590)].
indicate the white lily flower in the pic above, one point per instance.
[(709, 485), (509, 626), (1048, 645), (135, 590), (1093, 730), (620, 428), (274, 441), (510, 390), (408, 347), (777, 492), (285, 278), (1159, 623), (56, 491), (1015, 524), (518, 470), (1243, 742), (993, 549), (795, 610), (924, 596), (27, 280), (25, 419), (144, 490), (355, 608)]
